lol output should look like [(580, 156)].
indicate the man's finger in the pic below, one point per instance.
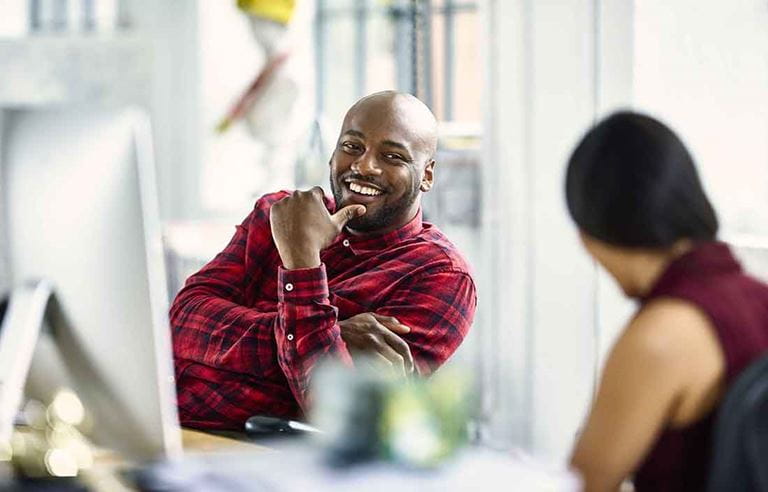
[(392, 323), (341, 217), (378, 345), (397, 360), (401, 347), (397, 344), (317, 191)]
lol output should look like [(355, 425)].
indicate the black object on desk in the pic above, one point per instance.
[(263, 425)]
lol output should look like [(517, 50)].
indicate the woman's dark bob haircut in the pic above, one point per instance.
[(631, 182)]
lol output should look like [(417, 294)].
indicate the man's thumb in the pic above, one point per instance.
[(341, 217)]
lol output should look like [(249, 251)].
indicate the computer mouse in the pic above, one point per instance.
[(262, 424)]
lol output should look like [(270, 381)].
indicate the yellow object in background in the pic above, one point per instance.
[(275, 10)]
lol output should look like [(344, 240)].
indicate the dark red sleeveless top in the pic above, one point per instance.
[(737, 305)]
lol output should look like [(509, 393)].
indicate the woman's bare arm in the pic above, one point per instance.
[(646, 379)]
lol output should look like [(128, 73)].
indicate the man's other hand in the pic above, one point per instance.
[(302, 227), (371, 334)]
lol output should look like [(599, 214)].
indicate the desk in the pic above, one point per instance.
[(214, 462), (108, 467), (297, 465), (107, 474), (195, 441)]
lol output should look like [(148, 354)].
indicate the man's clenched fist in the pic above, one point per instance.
[(302, 227)]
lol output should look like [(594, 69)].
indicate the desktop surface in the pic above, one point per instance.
[(111, 471), (299, 465), (216, 463)]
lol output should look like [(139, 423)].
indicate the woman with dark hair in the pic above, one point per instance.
[(633, 191)]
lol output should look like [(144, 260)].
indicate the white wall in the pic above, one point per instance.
[(172, 31), (504, 297), (552, 70), (563, 286), (229, 58), (703, 68)]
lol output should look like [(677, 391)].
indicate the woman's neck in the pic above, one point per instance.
[(641, 269)]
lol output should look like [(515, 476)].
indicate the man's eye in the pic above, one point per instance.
[(349, 146), (396, 157)]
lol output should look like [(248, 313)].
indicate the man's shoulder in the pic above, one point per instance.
[(265, 202), (260, 212), (433, 243)]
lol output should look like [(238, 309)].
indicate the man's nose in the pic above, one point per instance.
[(367, 165)]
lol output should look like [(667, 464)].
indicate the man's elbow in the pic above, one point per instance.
[(177, 307), (187, 300)]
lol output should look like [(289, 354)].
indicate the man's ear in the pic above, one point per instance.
[(429, 176)]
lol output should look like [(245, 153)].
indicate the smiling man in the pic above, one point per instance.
[(307, 277)]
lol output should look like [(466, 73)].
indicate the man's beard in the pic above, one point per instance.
[(384, 216)]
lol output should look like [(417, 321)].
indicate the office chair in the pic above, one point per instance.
[(740, 440)]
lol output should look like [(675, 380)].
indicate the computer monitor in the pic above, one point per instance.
[(80, 205)]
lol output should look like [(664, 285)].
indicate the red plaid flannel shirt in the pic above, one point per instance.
[(247, 333)]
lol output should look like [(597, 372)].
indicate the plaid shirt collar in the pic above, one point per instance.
[(375, 242)]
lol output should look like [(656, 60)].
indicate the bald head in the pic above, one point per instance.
[(403, 111), (384, 160)]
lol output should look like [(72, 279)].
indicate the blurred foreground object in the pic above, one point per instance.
[(367, 414), (425, 421), (401, 435), (50, 444), (395, 431)]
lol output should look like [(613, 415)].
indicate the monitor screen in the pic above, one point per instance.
[(81, 211)]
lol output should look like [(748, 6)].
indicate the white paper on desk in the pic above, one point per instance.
[(300, 468)]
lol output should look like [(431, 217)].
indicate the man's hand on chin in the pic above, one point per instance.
[(373, 335), (302, 227)]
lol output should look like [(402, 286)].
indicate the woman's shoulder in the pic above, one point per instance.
[(680, 345), (667, 327)]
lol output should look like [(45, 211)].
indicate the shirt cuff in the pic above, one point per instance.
[(302, 286)]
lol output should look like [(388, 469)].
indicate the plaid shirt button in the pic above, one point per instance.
[(289, 287), (345, 243), (290, 336)]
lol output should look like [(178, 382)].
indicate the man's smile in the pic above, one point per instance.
[(362, 191)]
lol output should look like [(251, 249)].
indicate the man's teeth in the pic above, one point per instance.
[(363, 190)]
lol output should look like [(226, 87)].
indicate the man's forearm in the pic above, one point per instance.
[(307, 327), (219, 333)]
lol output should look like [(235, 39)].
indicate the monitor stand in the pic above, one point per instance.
[(19, 332)]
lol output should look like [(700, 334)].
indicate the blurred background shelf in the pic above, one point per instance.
[(58, 69)]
